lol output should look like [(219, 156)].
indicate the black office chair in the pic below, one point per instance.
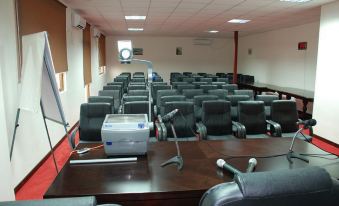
[(176, 84), (165, 99), (141, 92), (114, 87), (234, 99), (184, 123), (198, 100), (267, 99), (138, 79), (247, 92), (102, 99), (216, 116), (206, 79), (136, 87), (116, 97), (208, 87), (252, 116), (161, 93), (221, 93), (74, 201), (198, 84), (136, 107), (133, 98), (156, 88), (181, 87), (219, 84), (285, 113), (92, 116), (189, 80), (311, 186), (230, 88), (191, 93)]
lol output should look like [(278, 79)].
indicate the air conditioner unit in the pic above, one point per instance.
[(96, 33), (78, 21), (202, 41)]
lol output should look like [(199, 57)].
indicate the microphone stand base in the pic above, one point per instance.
[(292, 154), (174, 160)]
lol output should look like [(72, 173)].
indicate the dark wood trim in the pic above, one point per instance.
[(326, 141), (235, 66), (43, 160)]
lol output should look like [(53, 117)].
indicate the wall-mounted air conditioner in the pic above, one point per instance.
[(202, 41), (96, 33), (78, 21)]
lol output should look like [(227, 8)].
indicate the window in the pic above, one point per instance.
[(61, 81)]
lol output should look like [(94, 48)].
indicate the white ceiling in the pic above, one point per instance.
[(192, 18)]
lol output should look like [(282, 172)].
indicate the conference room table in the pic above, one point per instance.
[(305, 95), (145, 182)]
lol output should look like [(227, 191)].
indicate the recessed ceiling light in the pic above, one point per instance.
[(135, 29), (135, 17), (213, 31), (296, 1), (238, 21)]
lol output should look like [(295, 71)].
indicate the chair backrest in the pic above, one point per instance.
[(245, 92), (165, 99), (92, 115), (116, 96), (285, 113), (267, 99), (134, 79), (230, 88), (183, 122), (252, 115), (155, 89), (206, 80), (198, 100), (116, 83), (234, 99), (208, 87), (189, 80), (137, 83), (191, 93), (114, 87), (221, 93), (225, 80), (138, 92), (185, 86), (129, 98), (176, 84), (136, 87), (102, 99), (311, 186), (198, 84), (159, 83), (136, 107), (216, 116), (165, 92)]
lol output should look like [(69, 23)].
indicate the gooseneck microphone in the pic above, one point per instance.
[(251, 165), (224, 165), (308, 123), (169, 116)]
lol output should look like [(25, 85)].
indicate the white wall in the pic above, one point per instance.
[(6, 188), (217, 57), (275, 57), (31, 141), (326, 105)]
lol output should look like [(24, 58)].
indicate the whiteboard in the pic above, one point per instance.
[(38, 79)]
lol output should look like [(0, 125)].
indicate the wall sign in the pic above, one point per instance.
[(302, 46)]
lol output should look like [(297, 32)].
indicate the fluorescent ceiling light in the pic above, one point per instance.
[(296, 1), (135, 17), (238, 21), (213, 31), (135, 29)]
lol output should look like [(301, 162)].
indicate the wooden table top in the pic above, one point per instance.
[(146, 180)]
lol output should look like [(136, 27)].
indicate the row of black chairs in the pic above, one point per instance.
[(241, 78)]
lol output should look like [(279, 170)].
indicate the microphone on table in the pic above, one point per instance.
[(224, 165), (251, 165), (169, 116), (308, 123)]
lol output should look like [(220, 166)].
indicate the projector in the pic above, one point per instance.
[(125, 134)]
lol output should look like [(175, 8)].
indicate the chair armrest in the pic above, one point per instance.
[(164, 131), (240, 130), (158, 131), (155, 110), (275, 128), (202, 130), (72, 137)]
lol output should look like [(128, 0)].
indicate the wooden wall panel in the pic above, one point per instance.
[(87, 54), (102, 50), (46, 15)]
